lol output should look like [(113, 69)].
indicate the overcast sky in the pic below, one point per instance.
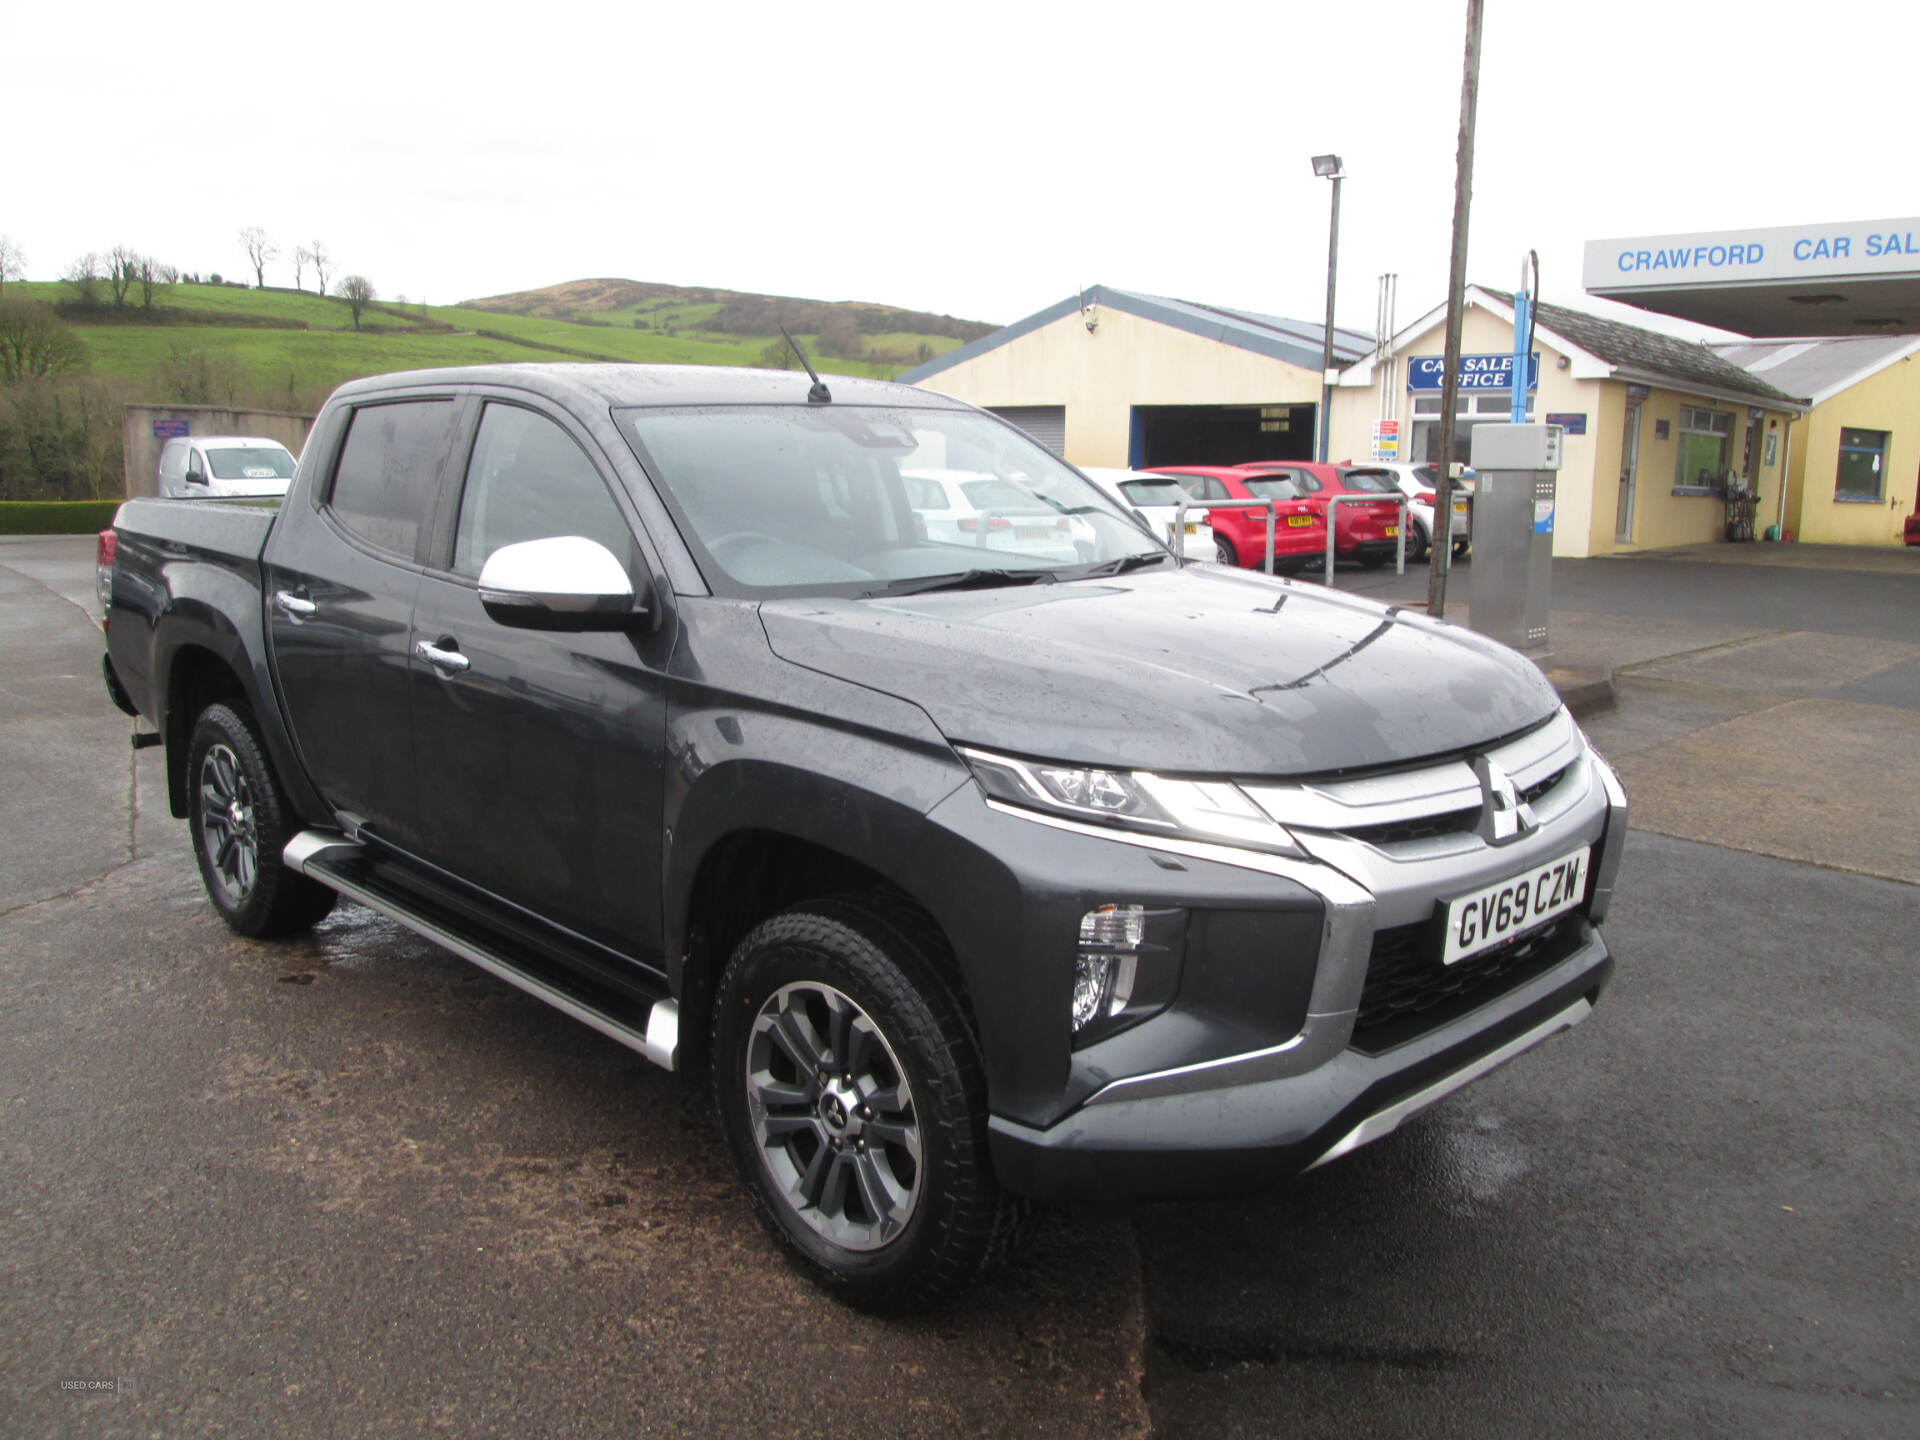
[(980, 159)]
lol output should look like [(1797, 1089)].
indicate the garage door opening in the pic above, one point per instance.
[(1045, 423), (1219, 434)]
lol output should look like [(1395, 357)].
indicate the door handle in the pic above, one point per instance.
[(296, 607), (448, 662)]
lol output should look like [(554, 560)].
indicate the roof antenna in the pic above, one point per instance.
[(819, 394)]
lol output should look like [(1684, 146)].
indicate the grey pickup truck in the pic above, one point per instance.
[(972, 856)]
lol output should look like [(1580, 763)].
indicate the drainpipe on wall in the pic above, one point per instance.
[(1786, 475)]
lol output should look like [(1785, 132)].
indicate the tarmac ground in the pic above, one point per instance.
[(347, 1185)]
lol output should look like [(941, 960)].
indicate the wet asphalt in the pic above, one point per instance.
[(347, 1185)]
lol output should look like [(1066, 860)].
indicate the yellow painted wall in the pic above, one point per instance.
[(1126, 361), (1887, 401), (1662, 518)]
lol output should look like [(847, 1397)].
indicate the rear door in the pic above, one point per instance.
[(342, 570), (541, 761)]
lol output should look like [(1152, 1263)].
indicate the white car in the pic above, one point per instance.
[(966, 507), (1156, 500), (201, 467), (1421, 485)]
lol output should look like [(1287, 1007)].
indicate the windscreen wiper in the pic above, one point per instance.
[(1124, 564), (962, 580)]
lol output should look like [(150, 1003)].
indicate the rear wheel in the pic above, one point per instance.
[(1417, 551), (241, 821), (1223, 550), (854, 1102)]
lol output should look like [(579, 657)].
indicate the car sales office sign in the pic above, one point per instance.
[(1477, 372)]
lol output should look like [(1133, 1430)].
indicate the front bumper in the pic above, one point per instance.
[(1253, 1131), (1139, 1120)]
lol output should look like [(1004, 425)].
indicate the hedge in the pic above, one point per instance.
[(56, 517)]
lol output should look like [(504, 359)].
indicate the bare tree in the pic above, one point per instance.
[(34, 342), (259, 250), (123, 267), (13, 260), (302, 257), (83, 278), (357, 291), (322, 262), (154, 276)]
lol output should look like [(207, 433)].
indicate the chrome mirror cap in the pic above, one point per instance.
[(555, 582)]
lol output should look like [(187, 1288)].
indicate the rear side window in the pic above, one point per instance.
[(383, 487), (528, 480)]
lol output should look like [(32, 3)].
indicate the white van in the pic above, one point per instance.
[(199, 467)]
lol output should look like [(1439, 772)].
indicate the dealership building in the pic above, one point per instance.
[(1814, 427)]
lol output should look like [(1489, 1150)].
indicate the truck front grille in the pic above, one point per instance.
[(1409, 992)]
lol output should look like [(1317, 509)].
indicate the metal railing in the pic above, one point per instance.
[(1400, 530), (1180, 520)]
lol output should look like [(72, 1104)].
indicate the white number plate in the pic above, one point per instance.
[(1521, 902)]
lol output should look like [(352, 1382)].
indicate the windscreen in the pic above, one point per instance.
[(1153, 492), (1373, 482), (852, 500), (1272, 487), (267, 462)]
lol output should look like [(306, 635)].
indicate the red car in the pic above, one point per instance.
[(1240, 536), (1913, 528), (1368, 533)]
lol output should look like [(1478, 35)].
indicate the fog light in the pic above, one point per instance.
[(1114, 927), (1093, 977)]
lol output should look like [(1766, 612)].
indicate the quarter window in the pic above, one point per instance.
[(528, 480), (1863, 466), (1705, 436), (383, 487)]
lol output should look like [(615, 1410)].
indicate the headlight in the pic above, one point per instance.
[(1212, 810)]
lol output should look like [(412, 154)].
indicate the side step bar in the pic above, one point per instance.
[(339, 863)]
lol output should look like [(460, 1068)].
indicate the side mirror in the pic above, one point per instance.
[(564, 582), (196, 477)]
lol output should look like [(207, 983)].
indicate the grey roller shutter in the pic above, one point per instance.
[(1045, 423)]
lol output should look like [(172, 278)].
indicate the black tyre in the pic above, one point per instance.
[(241, 821), (850, 1087), (1421, 543), (1461, 547), (1223, 551)]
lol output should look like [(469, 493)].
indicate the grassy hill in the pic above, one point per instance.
[(280, 349)]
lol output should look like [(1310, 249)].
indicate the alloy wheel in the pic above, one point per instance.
[(833, 1116), (227, 822)]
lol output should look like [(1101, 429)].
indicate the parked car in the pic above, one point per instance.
[(1368, 533), (1240, 535), (1156, 499), (1421, 485), (971, 507), (206, 467), (638, 687), (1911, 530)]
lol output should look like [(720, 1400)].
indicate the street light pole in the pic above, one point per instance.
[(1327, 167)]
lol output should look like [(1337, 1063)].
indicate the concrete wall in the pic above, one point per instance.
[(1887, 401), (143, 446), (1099, 376)]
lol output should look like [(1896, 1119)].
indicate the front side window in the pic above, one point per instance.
[(528, 480), (831, 499), (383, 487), (1705, 436), (1863, 466)]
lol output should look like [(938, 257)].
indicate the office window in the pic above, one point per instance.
[(1705, 436), (1863, 466)]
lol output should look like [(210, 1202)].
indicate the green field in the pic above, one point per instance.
[(289, 367)]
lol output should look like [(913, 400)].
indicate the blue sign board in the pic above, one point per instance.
[(169, 429), (1574, 422), (1477, 372)]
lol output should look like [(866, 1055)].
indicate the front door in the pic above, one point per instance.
[(1629, 470), (540, 763)]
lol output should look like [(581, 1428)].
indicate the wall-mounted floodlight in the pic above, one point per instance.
[(1327, 167)]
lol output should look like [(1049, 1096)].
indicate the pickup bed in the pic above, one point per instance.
[(963, 875)]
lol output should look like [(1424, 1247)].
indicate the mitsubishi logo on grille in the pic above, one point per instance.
[(1503, 817)]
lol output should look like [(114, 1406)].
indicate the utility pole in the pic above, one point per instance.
[(1441, 559), (1328, 167)]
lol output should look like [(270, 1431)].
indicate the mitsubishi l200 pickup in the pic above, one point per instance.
[(964, 874)]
